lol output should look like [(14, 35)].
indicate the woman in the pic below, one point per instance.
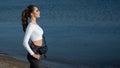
[(34, 33)]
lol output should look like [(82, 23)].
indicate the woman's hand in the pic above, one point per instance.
[(37, 56)]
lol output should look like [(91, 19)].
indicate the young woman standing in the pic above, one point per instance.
[(34, 33)]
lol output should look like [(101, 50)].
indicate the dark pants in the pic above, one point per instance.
[(34, 63)]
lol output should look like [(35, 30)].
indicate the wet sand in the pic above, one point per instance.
[(9, 62)]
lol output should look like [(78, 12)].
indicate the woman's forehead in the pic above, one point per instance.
[(35, 8)]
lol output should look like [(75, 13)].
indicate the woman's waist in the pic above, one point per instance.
[(37, 43)]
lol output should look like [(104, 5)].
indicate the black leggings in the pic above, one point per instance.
[(34, 63)]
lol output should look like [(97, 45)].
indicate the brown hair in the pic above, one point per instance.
[(25, 14)]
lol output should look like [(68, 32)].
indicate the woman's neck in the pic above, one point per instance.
[(33, 20)]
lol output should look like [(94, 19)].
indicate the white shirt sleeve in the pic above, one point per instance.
[(28, 33)]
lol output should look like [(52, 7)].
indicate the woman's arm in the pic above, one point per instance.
[(28, 33)]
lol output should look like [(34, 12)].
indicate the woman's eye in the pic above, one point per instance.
[(37, 10)]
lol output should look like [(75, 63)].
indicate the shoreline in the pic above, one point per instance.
[(10, 62)]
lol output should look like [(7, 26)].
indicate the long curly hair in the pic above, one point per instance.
[(25, 15)]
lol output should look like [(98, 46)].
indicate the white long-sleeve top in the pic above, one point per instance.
[(33, 32)]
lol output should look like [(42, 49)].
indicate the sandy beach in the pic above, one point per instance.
[(9, 62)]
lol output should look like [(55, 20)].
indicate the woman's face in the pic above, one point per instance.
[(36, 12)]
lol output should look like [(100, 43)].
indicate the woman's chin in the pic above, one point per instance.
[(38, 17)]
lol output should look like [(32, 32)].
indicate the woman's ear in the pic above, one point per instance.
[(31, 14)]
